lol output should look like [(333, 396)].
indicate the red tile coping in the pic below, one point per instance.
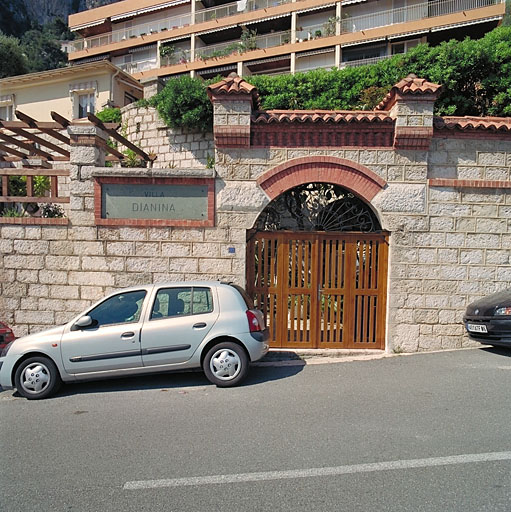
[(355, 177), (411, 85), (320, 116), (450, 182), (233, 85), (209, 222), (31, 221), (501, 124)]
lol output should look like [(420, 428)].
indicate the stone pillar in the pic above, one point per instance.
[(152, 86), (87, 151), (410, 102), (233, 100)]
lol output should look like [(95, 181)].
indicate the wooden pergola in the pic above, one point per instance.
[(21, 141)]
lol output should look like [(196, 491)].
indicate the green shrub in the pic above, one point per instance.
[(475, 74), (110, 115), (183, 103)]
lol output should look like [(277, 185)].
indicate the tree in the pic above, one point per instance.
[(12, 60), (42, 50)]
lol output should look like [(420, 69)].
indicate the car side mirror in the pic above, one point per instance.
[(83, 323)]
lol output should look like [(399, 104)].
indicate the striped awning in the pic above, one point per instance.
[(138, 12), (315, 52), (142, 48), (367, 41), (269, 59), (315, 8), (88, 25), (217, 69), (215, 30), (408, 34), (466, 23)]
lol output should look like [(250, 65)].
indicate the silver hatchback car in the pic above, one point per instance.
[(140, 330)]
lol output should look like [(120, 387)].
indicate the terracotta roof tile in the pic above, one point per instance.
[(233, 84), (320, 116), (474, 123), (409, 85)]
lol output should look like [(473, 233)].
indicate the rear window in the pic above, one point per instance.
[(181, 301), (246, 297)]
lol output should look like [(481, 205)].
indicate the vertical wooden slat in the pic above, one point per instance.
[(54, 186), (30, 186)]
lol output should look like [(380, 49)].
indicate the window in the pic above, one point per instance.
[(129, 98), (120, 309), (86, 103), (6, 113), (182, 301)]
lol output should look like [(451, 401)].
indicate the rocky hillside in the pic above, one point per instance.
[(18, 16)]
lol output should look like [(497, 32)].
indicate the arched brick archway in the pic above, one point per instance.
[(320, 289), (355, 177)]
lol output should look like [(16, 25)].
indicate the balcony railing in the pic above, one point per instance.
[(238, 46), (363, 62), (411, 13), (138, 66), (223, 11), (178, 57), (130, 33)]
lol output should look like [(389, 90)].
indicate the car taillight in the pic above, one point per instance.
[(253, 322)]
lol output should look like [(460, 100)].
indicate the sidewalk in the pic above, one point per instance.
[(301, 357)]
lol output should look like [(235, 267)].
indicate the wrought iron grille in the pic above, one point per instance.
[(318, 207)]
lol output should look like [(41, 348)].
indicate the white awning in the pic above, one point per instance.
[(88, 25), (269, 18), (146, 10), (349, 2), (217, 69), (407, 34), (215, 30), (174, 39), (465, 23), (269, 59), (142, 48), (367, 41), (315, 52), (315, 8)]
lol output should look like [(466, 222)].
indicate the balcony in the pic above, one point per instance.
[(223, 11), (138, 66), (238, 46), (131, 33), (411, 13)]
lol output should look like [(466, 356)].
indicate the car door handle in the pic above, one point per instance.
[(127, 335), (200, 325)]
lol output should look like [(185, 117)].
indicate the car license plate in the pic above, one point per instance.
[(477, 328)]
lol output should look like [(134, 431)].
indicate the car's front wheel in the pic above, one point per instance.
[(226, 364), (37, 377)]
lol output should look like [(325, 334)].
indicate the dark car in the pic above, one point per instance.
[(488, 320), (6, 335)]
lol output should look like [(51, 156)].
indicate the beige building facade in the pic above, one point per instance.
[(157, 39), (71, 91)]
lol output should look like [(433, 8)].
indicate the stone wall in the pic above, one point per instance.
[(175, 147), (450, 240)]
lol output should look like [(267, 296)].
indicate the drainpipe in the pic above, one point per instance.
[(112, 86)]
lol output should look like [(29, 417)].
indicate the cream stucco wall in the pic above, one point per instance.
[(37, 98)]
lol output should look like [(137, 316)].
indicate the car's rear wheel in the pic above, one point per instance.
[(37, 377), (226, 364)]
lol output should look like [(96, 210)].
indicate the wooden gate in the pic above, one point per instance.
[(320, 290)]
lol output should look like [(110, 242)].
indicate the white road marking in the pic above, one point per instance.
[(315, 472)]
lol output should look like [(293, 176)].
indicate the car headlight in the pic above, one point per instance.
[(6, 349), (504, 311)]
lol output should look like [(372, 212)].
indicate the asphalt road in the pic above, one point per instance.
[(427, 432)]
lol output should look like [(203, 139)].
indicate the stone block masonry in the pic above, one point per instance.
[(440, 187)]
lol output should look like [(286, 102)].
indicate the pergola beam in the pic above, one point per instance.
[(39, 140), (27, 147), (119, 138), (44, 127)]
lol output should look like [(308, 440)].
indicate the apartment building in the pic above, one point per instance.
[(153, 39)]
